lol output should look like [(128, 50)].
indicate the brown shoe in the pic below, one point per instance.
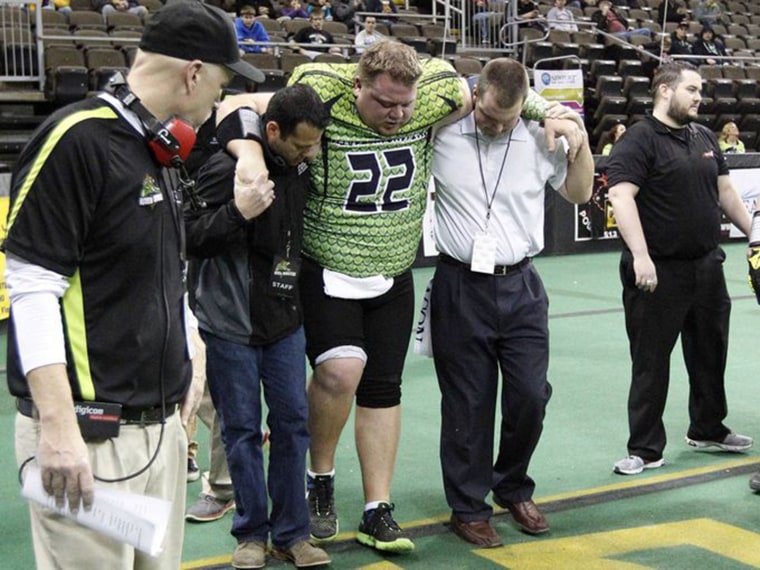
[(528, 517), (302, 554), (249, 555), (480, 533)]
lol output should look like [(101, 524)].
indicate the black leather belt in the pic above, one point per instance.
[(497, 270), (142, 416)]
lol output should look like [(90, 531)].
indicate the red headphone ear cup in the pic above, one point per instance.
[(185, 135), (183, 132)]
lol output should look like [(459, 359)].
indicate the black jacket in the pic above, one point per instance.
[(232, 259)]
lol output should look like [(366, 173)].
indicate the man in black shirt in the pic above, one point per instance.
[(315, 35), (95, 268), (668, 184)]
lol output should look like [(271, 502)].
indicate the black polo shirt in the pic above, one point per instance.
[(677, 172), (89, 202)]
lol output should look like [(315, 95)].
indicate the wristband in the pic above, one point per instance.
[(243, 123), (754, 234)]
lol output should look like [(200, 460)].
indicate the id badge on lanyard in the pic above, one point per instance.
[(483, 253)]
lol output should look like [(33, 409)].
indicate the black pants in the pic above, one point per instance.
[(691, 300), (481, 324)]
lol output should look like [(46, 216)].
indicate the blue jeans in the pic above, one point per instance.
[(235, 374)]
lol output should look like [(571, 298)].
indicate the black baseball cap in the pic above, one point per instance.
[(190, 29)]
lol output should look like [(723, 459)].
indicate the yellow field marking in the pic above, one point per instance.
[(595, 550)]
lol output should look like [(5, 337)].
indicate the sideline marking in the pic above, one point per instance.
[(553, 503), (596, 550)]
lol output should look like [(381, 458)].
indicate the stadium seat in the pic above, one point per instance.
[(289, 61), (86, 20), (124, 20), (270, 25), (466, 66), (270, 67), (102, 63), (628, 67), (66, 74), (405, 30), (608, 85), (639, 105), (749, 138), (606, 123), (706, 119), (602, 67), (750, 122), (634, 86), (336, 28), (610, 105)]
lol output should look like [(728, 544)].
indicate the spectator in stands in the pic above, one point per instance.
[(679, 39), (528, 10), (380, 6), (483, 17), (106, 7), (62, 6), (609, 139), (729, 141), (673, 11), (344, 10), (294, 9), (607, 20), (314, 34), (708, 12), (708, 45), (249, 31), (660, 48), (561, 18), (264, 8), (322, 5), (368, 36)]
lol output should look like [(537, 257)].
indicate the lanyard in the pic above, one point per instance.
[(489, 201)]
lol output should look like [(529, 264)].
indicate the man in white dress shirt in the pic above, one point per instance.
[(489, 310)]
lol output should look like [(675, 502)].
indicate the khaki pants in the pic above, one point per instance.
[(216, 482), (60, 543)]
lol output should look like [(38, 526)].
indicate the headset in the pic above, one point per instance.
[(170, 143)]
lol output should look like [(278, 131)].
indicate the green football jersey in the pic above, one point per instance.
[(364, 214)]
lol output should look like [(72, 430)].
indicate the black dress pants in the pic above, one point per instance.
[(691, 300), (482, 324)]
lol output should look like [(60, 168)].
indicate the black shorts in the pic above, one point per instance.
[(381, 326)]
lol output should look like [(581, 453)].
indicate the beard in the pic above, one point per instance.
[(680, 114)]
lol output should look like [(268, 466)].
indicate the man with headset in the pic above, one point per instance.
[(97, 351)]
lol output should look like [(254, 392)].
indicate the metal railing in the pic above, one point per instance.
[(21, 56)]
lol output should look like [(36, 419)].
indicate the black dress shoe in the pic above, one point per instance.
[(528, 517), (480, 533)]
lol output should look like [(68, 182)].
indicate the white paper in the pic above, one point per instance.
[(137, 520)]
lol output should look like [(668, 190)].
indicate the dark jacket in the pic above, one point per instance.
[(232, 259), (679, 46), (713, 48)]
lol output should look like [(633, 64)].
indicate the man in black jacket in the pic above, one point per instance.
[(247, 246)]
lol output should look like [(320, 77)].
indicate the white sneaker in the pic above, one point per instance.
[(633, 465), (733, 442)]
